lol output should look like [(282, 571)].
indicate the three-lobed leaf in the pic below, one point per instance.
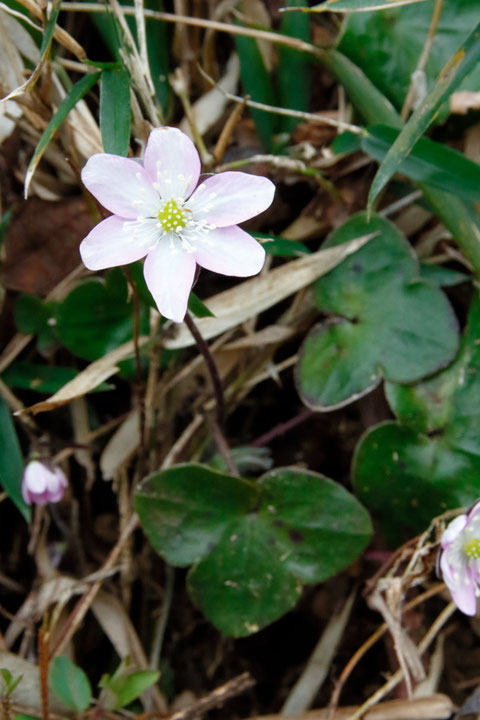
[(251, 544)]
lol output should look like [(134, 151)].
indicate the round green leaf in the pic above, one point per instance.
[(406, 479), (389, 323)]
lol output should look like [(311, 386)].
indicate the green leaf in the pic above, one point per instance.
[(429, 461), (457, 68), (281, 247), (11, 462), (428, 162), (387, 322), (197, 307), (368, 100), (406, 479), (360, 5), (96, 316), (125, 685), (257, 84), (75, 94), (387, 45), (70, 684), (442, 276), (115, 111), (251, 544), (131, 686), (9, 681), (34, 316), (158, 56), (346, 143), (293, 69), (42, 378)]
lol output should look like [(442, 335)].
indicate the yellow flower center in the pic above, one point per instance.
[(172, 217), (472, 549)]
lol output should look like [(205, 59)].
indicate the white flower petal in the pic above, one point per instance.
[(121, 185), (169, 272), (230, 198), (230, 251), (112, 242), (453, 530), (172, 161)]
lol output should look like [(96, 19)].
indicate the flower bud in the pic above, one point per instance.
[(42, 483)]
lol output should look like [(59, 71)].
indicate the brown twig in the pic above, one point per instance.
[(43, 661), (230, 689)]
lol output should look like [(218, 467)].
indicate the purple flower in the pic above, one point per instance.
[(460, 559), (161, 213), (42, 483)]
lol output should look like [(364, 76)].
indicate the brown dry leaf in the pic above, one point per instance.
[(88, 379), (41, 245), (268, 336), (121, 445), (463, 101), (252, 297)]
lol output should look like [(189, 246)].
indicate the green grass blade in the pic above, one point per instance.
[(293, 67), (115, 111), (68, 103), (11, 461), (459, 65)]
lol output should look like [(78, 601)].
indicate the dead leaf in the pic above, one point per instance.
[(88, 379), (121, 445), (41, 244)]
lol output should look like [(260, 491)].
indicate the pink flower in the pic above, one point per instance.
[(160, 212), (460, 559), (42, 483)]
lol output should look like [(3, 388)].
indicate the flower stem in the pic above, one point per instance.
[(211, 367)]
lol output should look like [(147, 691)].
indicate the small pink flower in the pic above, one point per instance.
[(460, 559), (42, 483), (160, 212)]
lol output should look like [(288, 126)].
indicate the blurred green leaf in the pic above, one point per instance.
[(115, 111), (75, 94), (251, 544), (42, 378), (293, 69), (11, 461), (460, 64), (387, 321), (442, 276), (97, 317), (257, 84), (387, 45), (34, 316), (281, 247), (197, 307), (70, 684), (429, 162), (125, 685), (9, 681)]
